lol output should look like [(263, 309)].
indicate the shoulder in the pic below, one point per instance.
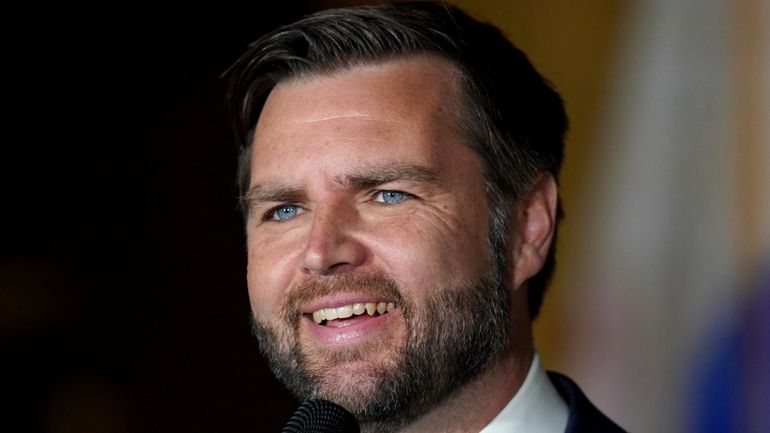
[(583, 415)]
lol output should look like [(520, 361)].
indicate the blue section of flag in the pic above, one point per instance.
[(718, 390), (757, 352), (731, 392)]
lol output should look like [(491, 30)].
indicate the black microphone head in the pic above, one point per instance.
[(321, 416)]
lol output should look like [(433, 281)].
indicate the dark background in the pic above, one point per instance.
[(123, 304)]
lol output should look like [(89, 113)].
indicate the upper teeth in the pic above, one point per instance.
[(349, 310)]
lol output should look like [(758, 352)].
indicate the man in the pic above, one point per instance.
[(399, 180)]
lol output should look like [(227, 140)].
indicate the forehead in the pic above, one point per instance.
[(416, 81), (392, 110)]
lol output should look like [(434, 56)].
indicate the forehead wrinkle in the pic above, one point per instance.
[(341, 116), (378, 175)]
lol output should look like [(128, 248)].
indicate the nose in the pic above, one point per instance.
[(332, 246)]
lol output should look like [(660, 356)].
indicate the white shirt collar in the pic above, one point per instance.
[(535, 408)]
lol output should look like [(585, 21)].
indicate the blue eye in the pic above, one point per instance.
[(284, 212), (391, 197)]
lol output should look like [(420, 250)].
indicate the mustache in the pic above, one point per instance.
[(377, 284)]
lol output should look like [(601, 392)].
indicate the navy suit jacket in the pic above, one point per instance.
[(584, 417)]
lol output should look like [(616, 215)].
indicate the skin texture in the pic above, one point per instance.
[(328, 151)]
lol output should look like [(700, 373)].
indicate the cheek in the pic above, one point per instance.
[(431, 253), (260, 291), (268, 275)]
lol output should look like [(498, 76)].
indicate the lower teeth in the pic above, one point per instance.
[(376, 314)]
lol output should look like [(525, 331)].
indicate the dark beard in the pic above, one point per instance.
[(450, 339)]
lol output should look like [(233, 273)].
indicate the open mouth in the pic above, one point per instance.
[(335, 315)]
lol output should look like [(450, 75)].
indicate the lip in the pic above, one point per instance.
[(359, 329)]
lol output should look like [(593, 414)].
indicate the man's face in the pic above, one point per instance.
[(367, 205)]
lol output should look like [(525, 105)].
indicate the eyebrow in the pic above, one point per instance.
[(272, 192), (366, 178)]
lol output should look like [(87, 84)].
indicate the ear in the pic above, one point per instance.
[(534, 222)]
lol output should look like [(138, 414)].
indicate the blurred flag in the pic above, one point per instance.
[(676, 214)]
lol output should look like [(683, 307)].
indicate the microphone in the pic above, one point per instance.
[(321, 416)]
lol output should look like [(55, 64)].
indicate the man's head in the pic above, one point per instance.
[(402, 155)]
